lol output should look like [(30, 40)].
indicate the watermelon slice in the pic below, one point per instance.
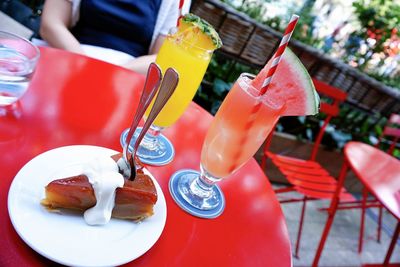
[(291, 86)]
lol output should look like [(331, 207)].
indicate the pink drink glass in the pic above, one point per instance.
[(239, 128)]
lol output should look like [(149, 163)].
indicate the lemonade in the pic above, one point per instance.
[(187, 49), (191, 63), (246, 116), (189, 52), (237, 131), (244, 120)]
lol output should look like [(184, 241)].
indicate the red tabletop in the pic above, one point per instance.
[(72, 100), (383, 179)]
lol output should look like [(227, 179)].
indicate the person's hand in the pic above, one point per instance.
[(141, 64)]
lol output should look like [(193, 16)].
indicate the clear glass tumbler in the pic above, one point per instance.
[(18, 58)]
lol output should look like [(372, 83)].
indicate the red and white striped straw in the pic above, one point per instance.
[(279, 52), (180, 15)]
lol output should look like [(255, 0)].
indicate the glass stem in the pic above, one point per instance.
[(202, 185), (150, 140)]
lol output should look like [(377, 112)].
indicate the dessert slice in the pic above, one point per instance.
[(133, 201)]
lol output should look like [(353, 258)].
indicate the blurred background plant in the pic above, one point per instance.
[(362, 33), (374, 45)]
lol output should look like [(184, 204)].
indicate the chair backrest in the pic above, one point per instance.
[(391, 132), (331, 98)]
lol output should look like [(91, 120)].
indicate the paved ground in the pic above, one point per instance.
[(341, 246)]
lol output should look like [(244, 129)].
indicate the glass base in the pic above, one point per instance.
[(12, 109), (159, 156), (209, 208)]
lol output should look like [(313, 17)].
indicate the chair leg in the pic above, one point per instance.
[(379, 230), (303, 209), (331, 215), (263, 162), (392, 245), (363, 203)]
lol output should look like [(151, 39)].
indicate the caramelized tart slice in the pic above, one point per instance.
[(134, 201)]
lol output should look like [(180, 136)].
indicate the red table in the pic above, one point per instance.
[(73, 99), (379, 172)]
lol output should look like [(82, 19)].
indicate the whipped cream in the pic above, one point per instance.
[(103, 175)]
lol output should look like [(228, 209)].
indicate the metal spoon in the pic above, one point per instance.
[(150, 89), (168, 85)]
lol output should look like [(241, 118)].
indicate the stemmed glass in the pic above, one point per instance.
[(191, 62), (239, 128)]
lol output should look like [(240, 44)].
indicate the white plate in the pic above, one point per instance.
[(66, 238)]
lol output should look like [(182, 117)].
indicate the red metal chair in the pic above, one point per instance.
[(308, 177), (390, 134)]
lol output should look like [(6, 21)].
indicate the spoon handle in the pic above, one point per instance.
[(151, 85), (167, 88)]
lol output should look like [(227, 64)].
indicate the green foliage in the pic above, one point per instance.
[(391, 81), (255, 9), (351, 124), (225, 69), (211, 95), (305, 30), (275, 23), (218, 80), (378, 21)]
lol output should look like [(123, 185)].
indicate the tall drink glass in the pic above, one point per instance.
[(239, 128), (191, 62), (18, 58)]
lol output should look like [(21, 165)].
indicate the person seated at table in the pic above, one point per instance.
[(127, 33)]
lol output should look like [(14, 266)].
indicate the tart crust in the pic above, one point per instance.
[(134, 201)]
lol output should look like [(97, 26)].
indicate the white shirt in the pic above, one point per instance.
[(166, 19)]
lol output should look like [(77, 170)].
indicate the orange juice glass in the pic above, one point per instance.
[(191, 62)]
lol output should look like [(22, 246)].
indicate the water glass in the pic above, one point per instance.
[(18, 58)]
